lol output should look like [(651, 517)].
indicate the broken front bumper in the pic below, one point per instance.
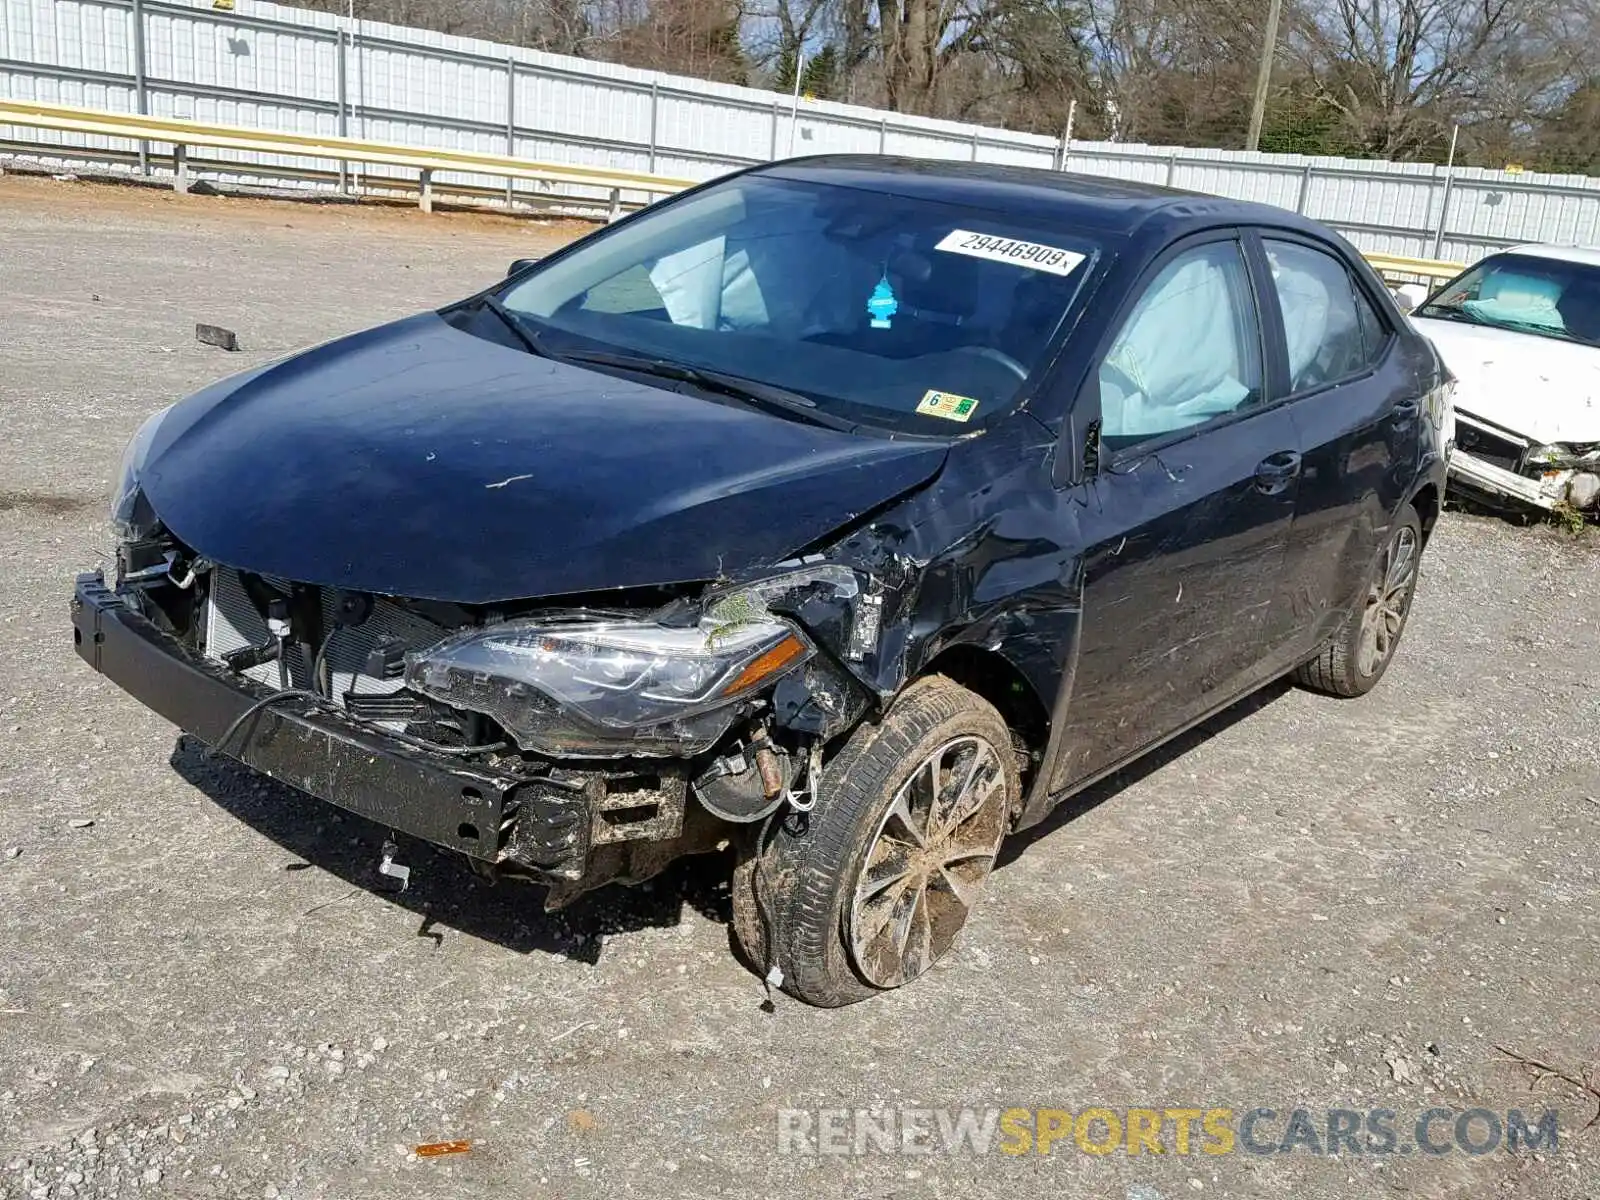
[(1571, 484), (548, 822), (1547, 492)]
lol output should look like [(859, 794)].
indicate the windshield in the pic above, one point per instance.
[(881, 309), (1547, 297)]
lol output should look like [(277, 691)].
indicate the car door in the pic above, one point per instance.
[(1356, 403), (1186, 512)]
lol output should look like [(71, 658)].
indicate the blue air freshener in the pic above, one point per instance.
[(882, 305)]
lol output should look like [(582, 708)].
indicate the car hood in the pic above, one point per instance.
[(1545, 389), (418, 460)]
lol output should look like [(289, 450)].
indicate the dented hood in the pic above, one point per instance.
[(417, 460), (1545, 389)]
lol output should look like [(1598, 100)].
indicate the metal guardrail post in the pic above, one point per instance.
[(141, 96), (883, 135), (358, 122), (342, 70), (655, 119), (180, 169), (511, 126), (773, 153), (425, 190), (1172, 168), (1304, 194), (616, 205), (974, 152)]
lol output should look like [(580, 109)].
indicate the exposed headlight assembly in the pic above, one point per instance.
[(605, 688), (1546, 456), (1561, 456)]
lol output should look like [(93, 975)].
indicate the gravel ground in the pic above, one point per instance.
[(210, 993)]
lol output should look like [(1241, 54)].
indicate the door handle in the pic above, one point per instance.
[(1405, 411), (1277, 471)]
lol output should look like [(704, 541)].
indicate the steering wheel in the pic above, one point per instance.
[(999, 357)]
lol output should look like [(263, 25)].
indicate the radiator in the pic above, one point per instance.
[(232, 623)]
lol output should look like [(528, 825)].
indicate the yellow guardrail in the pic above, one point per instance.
[(181, 135), (1415, 268)]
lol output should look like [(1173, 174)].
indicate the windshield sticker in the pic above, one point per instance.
[(1030, 255), (947, 405), (882, 305)]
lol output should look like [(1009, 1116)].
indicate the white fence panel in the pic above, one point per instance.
[(271, 67)]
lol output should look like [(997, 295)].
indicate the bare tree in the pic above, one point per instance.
[(1379, 77), (1173, 70), (1400, 71)]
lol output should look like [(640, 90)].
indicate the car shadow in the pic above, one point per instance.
[(1146, 765), (445, 894), (443, 891)]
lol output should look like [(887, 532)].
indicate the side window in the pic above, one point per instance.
[(1323, 327), (1190, 351), (1375, 333)]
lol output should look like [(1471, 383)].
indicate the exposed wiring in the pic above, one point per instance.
[(320, 665), (265, 702), (332, 706)]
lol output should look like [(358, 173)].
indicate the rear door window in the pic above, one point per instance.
[(1325, 331)]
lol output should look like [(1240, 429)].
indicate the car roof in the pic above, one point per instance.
[(1095, 203), (1589, 255)]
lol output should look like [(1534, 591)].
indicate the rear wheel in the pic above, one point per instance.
[(1366, 643), (870, 889)]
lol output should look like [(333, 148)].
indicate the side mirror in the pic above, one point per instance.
[(1409, 296), (518, 265)]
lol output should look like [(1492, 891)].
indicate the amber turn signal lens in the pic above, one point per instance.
[(767, 663)]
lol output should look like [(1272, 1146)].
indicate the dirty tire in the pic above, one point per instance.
[(806, 877), (1352, 665)]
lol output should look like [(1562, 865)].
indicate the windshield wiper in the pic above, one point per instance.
[(1535, 327), (766, 396), (1448, 313), (527, 336), (1445, 312)]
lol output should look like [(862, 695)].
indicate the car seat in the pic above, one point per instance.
[(1579, 307)]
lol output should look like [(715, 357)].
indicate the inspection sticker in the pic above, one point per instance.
[(1008, 250), (947, 405)]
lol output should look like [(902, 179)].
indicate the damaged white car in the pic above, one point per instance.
[(1521, 332)]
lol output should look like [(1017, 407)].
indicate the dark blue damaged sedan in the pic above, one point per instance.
[(849, 512)]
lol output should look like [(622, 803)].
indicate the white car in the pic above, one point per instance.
[(1520, 330)]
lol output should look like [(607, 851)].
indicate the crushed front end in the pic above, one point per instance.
[(1508, 469), (570, 743)]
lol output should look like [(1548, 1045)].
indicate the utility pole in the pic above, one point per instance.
[(1269, 47), (794, 108)]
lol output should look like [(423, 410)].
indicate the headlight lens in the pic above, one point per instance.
[(608, 688), (1545, 456), (131, 517)]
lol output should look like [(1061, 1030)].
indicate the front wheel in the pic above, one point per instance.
[(869, 890), (1366, 642)]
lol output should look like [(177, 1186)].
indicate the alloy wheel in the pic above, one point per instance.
[(927, 861), (1387, 601)]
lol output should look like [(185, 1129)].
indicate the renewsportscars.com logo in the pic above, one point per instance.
[(1101, 1130)]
